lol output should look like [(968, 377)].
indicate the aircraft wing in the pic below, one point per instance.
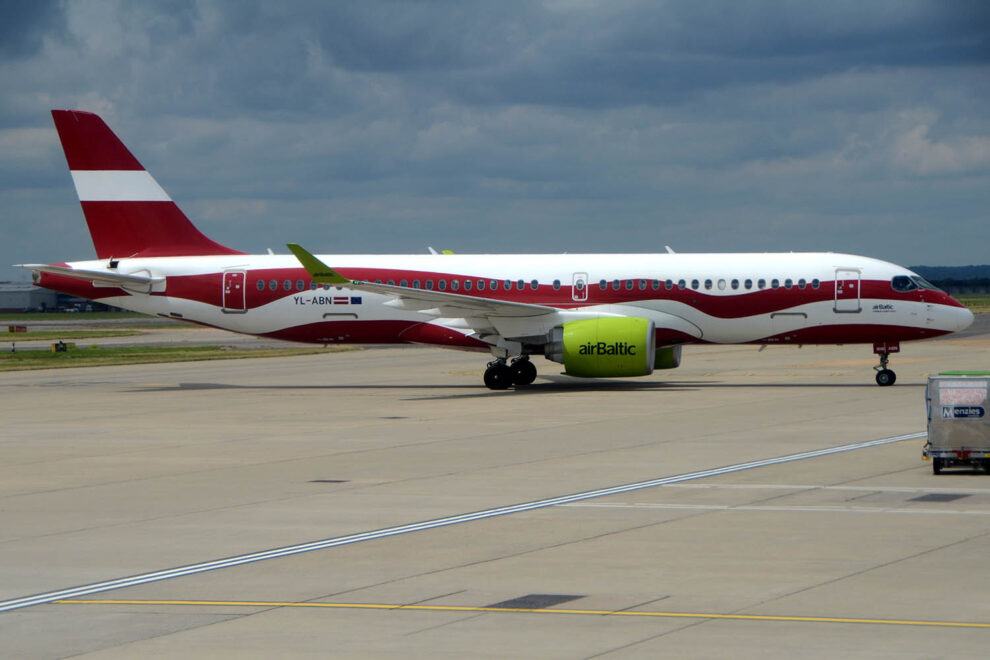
[(103, 278), (437, 303)]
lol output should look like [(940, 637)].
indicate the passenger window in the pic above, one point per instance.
[(815, 283), (602, 284), (802, 284), (521, 285), (775, 283), (735, 284), (655, 285), (260, 285), (300, 285), (442, 285), (708, 285), (313, 286), (494, 285), (695, 284), (681, 284), (455, 285), (534, 285), (788, 283), (481, 285), (761, 284), (429, 285), (507, 285), (748, 284), (467, 285), (721, 285), (403, 283), (615, 285), (391, 282), (629, 285), (273, 285), (668, 284), (642, 285), (415, 284)]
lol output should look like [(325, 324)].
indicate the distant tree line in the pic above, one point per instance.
[(957, 279)]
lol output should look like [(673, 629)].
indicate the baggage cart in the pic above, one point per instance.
[(958, 424)]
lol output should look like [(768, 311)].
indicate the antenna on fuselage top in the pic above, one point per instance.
[(670, 250)]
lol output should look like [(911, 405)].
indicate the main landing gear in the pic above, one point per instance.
[(500, 374), (885, 376)]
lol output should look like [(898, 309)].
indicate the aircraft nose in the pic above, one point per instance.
[(962, 318)]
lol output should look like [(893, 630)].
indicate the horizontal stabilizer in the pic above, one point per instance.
[(99, 277)]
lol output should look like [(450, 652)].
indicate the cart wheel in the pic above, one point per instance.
[(936, 465)]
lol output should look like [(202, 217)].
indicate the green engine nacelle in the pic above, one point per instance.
[(668, 357), (605, 347)]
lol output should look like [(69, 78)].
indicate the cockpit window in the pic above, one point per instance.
[(903, 284), (923, 283)]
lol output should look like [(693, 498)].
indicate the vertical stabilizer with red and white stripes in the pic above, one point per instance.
[(128, 213)]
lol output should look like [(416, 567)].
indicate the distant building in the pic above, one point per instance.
[(23, 296)]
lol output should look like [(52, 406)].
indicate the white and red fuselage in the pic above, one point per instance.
[(485, 302), (805, 298)]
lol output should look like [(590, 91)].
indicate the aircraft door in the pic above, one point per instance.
[(234, 292), (847, 291), (579, 287)]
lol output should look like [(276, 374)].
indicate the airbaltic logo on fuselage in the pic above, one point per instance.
[(604, 348)]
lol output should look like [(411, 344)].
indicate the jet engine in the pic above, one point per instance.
[(603, 347)]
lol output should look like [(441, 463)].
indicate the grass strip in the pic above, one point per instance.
[(978, 303), (28, 317), (98, 356), (65, 335)]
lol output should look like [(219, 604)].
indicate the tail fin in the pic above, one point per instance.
[(128, 213)]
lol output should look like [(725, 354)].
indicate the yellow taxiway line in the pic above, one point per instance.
[(468, 608)]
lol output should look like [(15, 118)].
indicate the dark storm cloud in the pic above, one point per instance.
[(24, 25), (518, 126)]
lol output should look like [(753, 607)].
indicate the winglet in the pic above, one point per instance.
[(319, 271)]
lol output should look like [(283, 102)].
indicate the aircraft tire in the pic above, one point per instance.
[(498, 377), (523, 372), (886, 377)]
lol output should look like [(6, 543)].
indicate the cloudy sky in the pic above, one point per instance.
[(613, 126)]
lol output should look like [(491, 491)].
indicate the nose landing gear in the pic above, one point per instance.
[(885, 376)]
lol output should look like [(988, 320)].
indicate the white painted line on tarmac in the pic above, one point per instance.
[(807, 508), (810, 487), (275, 553)]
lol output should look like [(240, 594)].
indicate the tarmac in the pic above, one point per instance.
[(383, 503)]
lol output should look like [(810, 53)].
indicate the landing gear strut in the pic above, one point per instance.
[(499, 375), (885, 376)]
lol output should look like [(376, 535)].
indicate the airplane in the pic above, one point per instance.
[(599, 315)]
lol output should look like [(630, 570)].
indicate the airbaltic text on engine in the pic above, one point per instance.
[(603, 348)]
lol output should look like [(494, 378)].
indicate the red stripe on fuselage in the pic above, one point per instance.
[(375, 332), (74, 286), (206, 288)]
